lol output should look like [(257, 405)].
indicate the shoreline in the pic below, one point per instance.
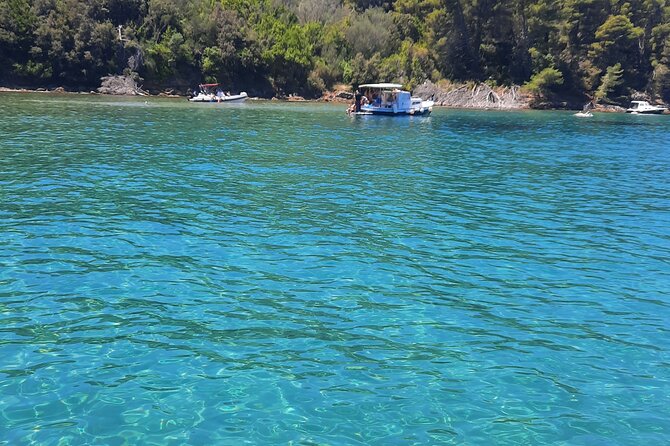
[(341, 97), (336, 97)]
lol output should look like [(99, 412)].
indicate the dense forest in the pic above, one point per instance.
[(606, 49)]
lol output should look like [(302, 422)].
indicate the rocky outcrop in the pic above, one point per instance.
[(337, 96), (609, 108), (474, 96), (121, 85)]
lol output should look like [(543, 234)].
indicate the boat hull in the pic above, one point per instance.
[(646, 112), (234, 98), (388, 111)]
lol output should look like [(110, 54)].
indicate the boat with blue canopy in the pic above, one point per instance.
[(391, 100)]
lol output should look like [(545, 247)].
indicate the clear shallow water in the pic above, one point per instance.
[(282, 274)]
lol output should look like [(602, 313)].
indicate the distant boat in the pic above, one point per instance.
[(644, 108), (586, 111), (389, 100), (211, 93)]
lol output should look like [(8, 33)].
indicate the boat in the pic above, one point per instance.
[(390, 100), (212, 93), (645, 108), (586, 111)]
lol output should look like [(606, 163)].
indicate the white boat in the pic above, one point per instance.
[(211, 93), (586, 111), (645, 108), (389, 100)]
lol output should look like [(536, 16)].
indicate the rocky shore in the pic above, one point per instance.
[(121, 85), (471, 95), (474, 95)]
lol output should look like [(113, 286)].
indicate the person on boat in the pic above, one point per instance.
[(376, 100), (369, 96), (357, 101)]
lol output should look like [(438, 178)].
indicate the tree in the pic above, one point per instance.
[(616, 43), (371, 32), (545, 82), (362, 70), (288, 56), (449, 37), (275, 46), (610, 84), (660, 82), (73, 43), (17, 23)]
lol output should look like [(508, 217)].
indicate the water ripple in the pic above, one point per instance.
[(281, 273)]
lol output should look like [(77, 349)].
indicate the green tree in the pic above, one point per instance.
[(610, 84), (660, 82), (362, 70), (275, 46), (288, 55), (545, 82), (74, 42), (17, 22), (616, 42), (371, 32)]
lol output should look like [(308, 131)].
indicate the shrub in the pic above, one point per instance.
[(545, 81)]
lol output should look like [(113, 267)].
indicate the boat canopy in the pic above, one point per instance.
[(382, 85)]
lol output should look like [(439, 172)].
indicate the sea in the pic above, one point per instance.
[(273, 273)]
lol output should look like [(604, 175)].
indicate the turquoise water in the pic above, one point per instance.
[(179, 274)]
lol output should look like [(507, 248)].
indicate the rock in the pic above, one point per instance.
[(344, 95), (121, 85), (609, 108), (640, 96), (336, 96), (477, 95), (169, 94)]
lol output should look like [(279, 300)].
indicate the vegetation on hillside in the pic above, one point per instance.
[(603, 48)]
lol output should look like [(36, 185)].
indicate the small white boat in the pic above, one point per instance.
[(645, 108), (211, 93), (389, 100), (586, 111)]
